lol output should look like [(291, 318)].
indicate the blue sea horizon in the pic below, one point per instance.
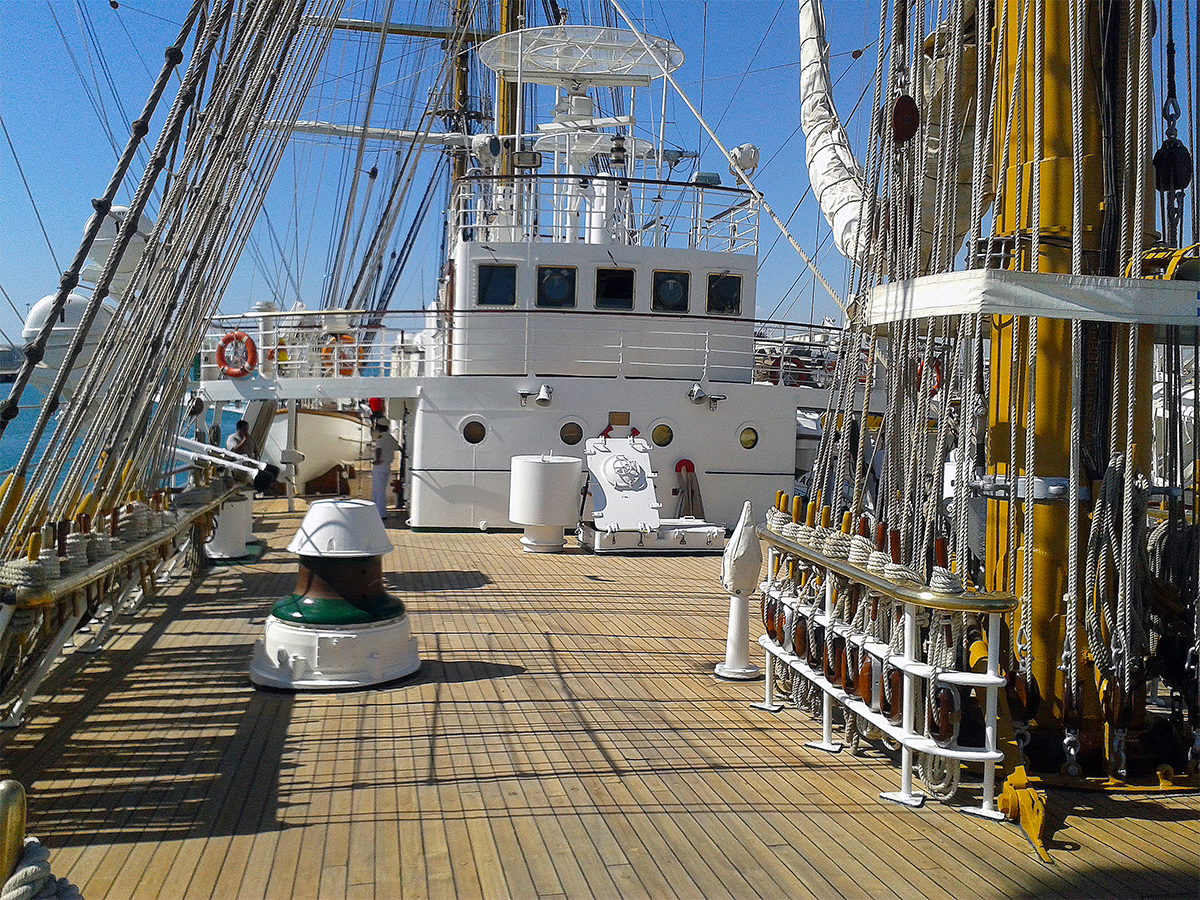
[(16, 436)]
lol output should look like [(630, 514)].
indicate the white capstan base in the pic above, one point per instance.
[(294, 657)]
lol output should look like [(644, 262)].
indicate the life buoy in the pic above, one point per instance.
[(244, 354), (937, 375), (335, 348)]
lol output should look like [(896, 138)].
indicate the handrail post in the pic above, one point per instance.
[(906, 795), (909, 713), (827, 742), (12, 825), (987, 807)]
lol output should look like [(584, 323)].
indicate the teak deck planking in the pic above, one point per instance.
[(565, 738)]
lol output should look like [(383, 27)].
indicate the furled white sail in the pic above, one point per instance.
[(836, 177)]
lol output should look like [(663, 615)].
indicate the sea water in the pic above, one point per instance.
[(16, 436)]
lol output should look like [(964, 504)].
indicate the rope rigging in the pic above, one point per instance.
[(1127, 597)]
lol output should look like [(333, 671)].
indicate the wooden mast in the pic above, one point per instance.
[(512, 12)]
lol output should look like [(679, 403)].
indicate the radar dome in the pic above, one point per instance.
[(64, 329)]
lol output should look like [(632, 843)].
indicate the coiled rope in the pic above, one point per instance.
[(33, 880)]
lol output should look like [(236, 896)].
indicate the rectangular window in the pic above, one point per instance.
[(670, 292), (724, 294), (614, 289), (497, 285), (556, 287)]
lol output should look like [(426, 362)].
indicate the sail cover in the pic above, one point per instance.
[(836, 177)]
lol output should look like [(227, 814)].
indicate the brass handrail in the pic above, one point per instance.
[(977, 601)]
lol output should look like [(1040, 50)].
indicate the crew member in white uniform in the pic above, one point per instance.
[(381, 472)]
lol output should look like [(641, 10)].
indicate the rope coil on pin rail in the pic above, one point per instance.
[(237, 355)]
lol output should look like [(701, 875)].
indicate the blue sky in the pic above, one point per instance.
[(740, 68)]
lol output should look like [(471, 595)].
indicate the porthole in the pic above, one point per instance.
[(662, 434), (556, 287), (748, 438), (571, 433), (670, 292), (474, 431)]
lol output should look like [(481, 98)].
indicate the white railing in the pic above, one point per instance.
[(334, 345), (604, 209)]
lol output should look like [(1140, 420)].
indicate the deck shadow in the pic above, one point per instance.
[(438, 671), (436, 580)]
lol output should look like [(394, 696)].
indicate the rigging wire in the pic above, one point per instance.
[(20, 315), (97, 106), (742, 78), (3, 333), (24, 181), (92, 40), (137, 50)]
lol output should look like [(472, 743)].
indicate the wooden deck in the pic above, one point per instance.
[(565, 737)]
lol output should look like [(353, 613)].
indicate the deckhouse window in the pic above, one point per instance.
[(670, 292), (556, 287), (724, 294), (497, 285), (614, 289)]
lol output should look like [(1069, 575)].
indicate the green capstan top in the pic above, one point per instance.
[(303, 610)]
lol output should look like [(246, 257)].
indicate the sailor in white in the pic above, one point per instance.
[(381, 471)]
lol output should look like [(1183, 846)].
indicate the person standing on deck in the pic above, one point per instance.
[(381, 470)]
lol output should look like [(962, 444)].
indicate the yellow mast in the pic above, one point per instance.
[(1009, 381)]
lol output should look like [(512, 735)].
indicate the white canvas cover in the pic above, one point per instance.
[(742, 559), (1145, 301)]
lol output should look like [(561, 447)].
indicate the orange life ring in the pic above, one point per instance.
[(246, 350), (347, 360), (937, 376)]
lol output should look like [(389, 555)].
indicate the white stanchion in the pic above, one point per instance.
[(737, 663), (739, 575)]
